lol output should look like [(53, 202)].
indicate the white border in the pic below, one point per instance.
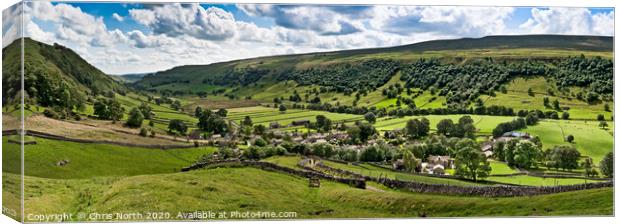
[(565, 3)]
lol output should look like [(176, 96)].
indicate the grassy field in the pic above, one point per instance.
[(590, 140), (539, 181), (484, 123), (249, 189), (95, 160), (286, 161), (517, 98), (266, 115), (501, 168), (374, 171)]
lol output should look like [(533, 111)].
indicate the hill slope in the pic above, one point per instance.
[(52, 73), (537, 46), (467, 67)]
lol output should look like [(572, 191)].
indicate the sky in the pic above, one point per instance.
[(123, 38)]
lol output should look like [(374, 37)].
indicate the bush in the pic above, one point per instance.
[(260, 142), (143, 132), (50, 113), (570, 138), (135, 118)]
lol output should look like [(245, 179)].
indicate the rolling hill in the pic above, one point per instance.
[(457, 50), (52, 73), (469, 68)]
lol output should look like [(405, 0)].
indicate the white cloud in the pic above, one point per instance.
[(575, 21), (445, 20), (321, 19), (187, 19), (118, 17), (11, 24), (143, 41), (181, 34), (74, 25)]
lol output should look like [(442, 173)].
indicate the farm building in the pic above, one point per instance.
[(516, 134), (487, 148), (436, 165)]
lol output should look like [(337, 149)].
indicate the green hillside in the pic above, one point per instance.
[(250, 189), (458, 74), (533, 46), (53, 74)]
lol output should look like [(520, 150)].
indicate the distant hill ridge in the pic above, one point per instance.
[(221, 70)]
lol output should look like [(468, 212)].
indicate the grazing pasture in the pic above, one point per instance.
[(266, 115), (484, 123), (249, 188), (374, 171), (590, 140), (85, 160), (518, 98)]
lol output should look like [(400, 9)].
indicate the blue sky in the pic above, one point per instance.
[(133, 38)]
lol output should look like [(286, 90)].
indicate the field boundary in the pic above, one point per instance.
[(484, 191), (306, 173), (77, 140)]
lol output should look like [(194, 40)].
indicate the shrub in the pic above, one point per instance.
[(135, 118), (570, 138), (260, 142), (143, 132), (50, 113)]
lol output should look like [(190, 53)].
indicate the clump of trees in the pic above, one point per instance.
[(108, 109), (513, 125), (464, 128), (345, 78), (607, 165), (377, 153), (370, 117), (213, 122), (519, 153), (361, 132), (146, 110), (562, 157), (177, 126), (322, 124), (417, 128)]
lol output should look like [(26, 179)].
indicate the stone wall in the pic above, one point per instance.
[(485, 191), (63, 138), (306, 173)]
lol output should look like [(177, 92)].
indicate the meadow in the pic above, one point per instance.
[(484, 123), (516, 97), (272, 191), (590, 140), (95, 160), (373, 171), (266, 115)]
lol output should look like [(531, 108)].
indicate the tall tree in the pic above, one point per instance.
[(470, 162), (445, 127)]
